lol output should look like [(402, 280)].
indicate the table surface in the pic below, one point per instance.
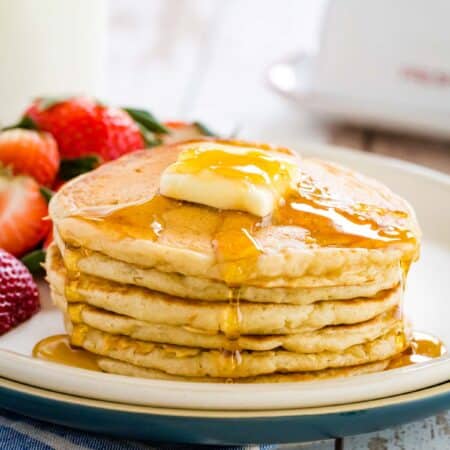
[(206, 60)]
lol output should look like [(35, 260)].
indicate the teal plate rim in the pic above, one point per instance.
[(217, 427)]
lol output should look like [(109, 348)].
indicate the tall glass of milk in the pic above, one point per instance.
[(49, 47)]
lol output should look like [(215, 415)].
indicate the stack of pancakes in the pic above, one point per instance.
[(167, 289)]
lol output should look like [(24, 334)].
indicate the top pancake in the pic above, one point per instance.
[(187, 242)]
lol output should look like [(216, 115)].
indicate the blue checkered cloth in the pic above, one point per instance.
[(21, 433)]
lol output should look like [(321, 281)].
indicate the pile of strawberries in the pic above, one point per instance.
[(55, 140)]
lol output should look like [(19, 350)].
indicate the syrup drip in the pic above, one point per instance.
[(423, 347), (236, 252), (236, 248), (71, 292), (71, 259), (232, 316), (230, 361), (232, 330), (59, 350)]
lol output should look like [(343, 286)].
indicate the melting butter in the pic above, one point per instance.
[(230, 177)]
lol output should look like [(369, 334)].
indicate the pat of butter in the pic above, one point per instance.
[(227, 176)]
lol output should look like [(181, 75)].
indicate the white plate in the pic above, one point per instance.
[(427, 303)]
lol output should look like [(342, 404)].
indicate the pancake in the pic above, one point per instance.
[(127, 369), (194, 362), (186, 236), (334, 339), (163, 288), (254, 318), (97, 264)]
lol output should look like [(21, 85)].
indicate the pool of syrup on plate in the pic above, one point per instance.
[(423, 347), (327, 221), (58, 349)]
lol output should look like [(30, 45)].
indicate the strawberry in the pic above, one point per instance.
[(58, 184), (31, 153), (22, 212), (82, 127), (19, 295)]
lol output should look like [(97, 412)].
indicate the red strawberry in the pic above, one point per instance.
[(31, 153), (22, 210), (58, 184), (82, 127), (19, 295)]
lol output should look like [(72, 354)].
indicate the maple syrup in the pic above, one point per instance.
[(141, 221), (58, 349), (71, 292), (235, 246), (232, 316), (71, 258), (231, 356), (423, 347), (330, 221)]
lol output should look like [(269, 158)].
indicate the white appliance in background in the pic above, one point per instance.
[(49, 47), (382, 63)]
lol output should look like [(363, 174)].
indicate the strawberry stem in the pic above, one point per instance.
[(34, 260), (150, 138), (25, 122), (46, 193), (147, 119), (70, 168), (203, 129)]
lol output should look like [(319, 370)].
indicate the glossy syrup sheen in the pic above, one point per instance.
[(140, 221), (332, 222)]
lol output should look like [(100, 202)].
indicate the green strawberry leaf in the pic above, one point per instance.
[(33, 261), (147, 119), (203, 129), (70, 168), (46, 193), (150, 139), (25, 122)]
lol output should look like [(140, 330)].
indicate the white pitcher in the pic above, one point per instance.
[(49, 47)]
